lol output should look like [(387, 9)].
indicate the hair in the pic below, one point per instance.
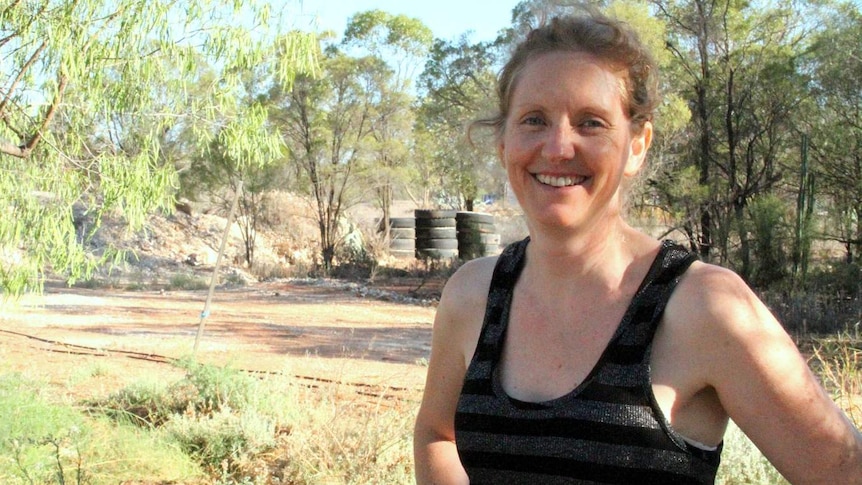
[(609, 40)]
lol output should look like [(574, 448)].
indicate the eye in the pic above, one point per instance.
[(592, 124), (533, 120)]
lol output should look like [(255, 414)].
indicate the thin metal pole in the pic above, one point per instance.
[(206, 312)]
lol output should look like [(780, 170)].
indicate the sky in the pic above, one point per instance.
[(447, 19)]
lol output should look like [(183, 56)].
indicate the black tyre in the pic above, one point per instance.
[(480, 227), (402, 244), (402, 233), (436, 233), (402, 222), (474, 217), (436, 244), (444, 222), (434, 214)]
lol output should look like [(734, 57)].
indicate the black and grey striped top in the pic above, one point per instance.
[(609, 430)]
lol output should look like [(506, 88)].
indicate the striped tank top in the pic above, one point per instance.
[(608, 430)]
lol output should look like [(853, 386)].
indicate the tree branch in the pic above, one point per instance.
[(20, 76), (9, 148), (25, 150)]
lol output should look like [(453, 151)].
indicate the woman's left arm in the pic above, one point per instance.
[(764, 383)]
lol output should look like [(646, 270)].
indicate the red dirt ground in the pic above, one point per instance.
[(312, 332)]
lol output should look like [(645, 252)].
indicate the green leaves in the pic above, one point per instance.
[(101, 99), (376, 28)]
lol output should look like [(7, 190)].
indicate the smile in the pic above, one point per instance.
[(559, 181)]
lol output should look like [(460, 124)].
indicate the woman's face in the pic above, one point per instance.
[(567, 141)]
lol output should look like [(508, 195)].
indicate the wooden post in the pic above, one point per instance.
[(206, 312)]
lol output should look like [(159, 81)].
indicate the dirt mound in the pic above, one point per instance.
[(187, 241)]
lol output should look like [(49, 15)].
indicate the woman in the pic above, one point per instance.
[(591, 352)]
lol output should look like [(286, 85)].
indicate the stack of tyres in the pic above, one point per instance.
[(436, 235), (402, 237), (477, 235)]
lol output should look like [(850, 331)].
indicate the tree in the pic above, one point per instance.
[(327, 122), (734, 63), (219, 176), (91, 92), (401, 43), (458, 86), (835, 124)]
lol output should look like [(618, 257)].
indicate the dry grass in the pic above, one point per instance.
[(838, 362), (345, 438)]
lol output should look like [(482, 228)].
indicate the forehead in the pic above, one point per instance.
[(563, 75)]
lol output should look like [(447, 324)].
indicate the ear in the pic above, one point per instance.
[(501, 151), (638, 150)]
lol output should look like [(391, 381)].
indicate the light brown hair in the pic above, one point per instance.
[(593, 33)]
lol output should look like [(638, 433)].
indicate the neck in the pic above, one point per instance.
[(601, 256)]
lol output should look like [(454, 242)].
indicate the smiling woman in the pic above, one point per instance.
[(566, 160), (590, 352)]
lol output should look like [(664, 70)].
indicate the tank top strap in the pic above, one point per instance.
[(648, 304), (639, 323), (506, 273)]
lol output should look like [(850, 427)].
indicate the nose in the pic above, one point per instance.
[(559, 144)]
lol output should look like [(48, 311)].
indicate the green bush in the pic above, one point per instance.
[(44, 442), (143, 404), (220, 417), (39, 441), (182, 281), (222, 440), (839, 279)]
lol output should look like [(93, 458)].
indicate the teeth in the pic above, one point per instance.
[(559, 181)]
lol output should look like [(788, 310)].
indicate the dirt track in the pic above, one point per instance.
[(312, 332)]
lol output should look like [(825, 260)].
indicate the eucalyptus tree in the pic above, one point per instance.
[(402, 44), (735, 64), (835, 125), (217, 175), (458, 86), (327, 122), (91, 91)]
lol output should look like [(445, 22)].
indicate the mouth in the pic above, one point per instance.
[(559, 181)]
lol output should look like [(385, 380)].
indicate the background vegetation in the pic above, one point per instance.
[(124, 107)]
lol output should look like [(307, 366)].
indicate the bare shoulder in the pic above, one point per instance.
[(729, 341), (462, 304), (717, 318), (712, 300), (470, 282)]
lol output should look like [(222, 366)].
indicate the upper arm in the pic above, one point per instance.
[(457, 324), (764, 383)]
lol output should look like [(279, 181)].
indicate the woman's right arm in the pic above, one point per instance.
[(456, 330)]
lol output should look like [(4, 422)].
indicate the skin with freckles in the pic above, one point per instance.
[(567, 144)]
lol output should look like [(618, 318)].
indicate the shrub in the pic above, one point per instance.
[(223, 440), (220, 417), (43, 442), (182, 281)]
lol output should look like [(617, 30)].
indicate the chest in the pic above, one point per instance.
[(552, 345)]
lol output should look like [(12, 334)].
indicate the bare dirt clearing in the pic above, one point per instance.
[(91, 342)]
